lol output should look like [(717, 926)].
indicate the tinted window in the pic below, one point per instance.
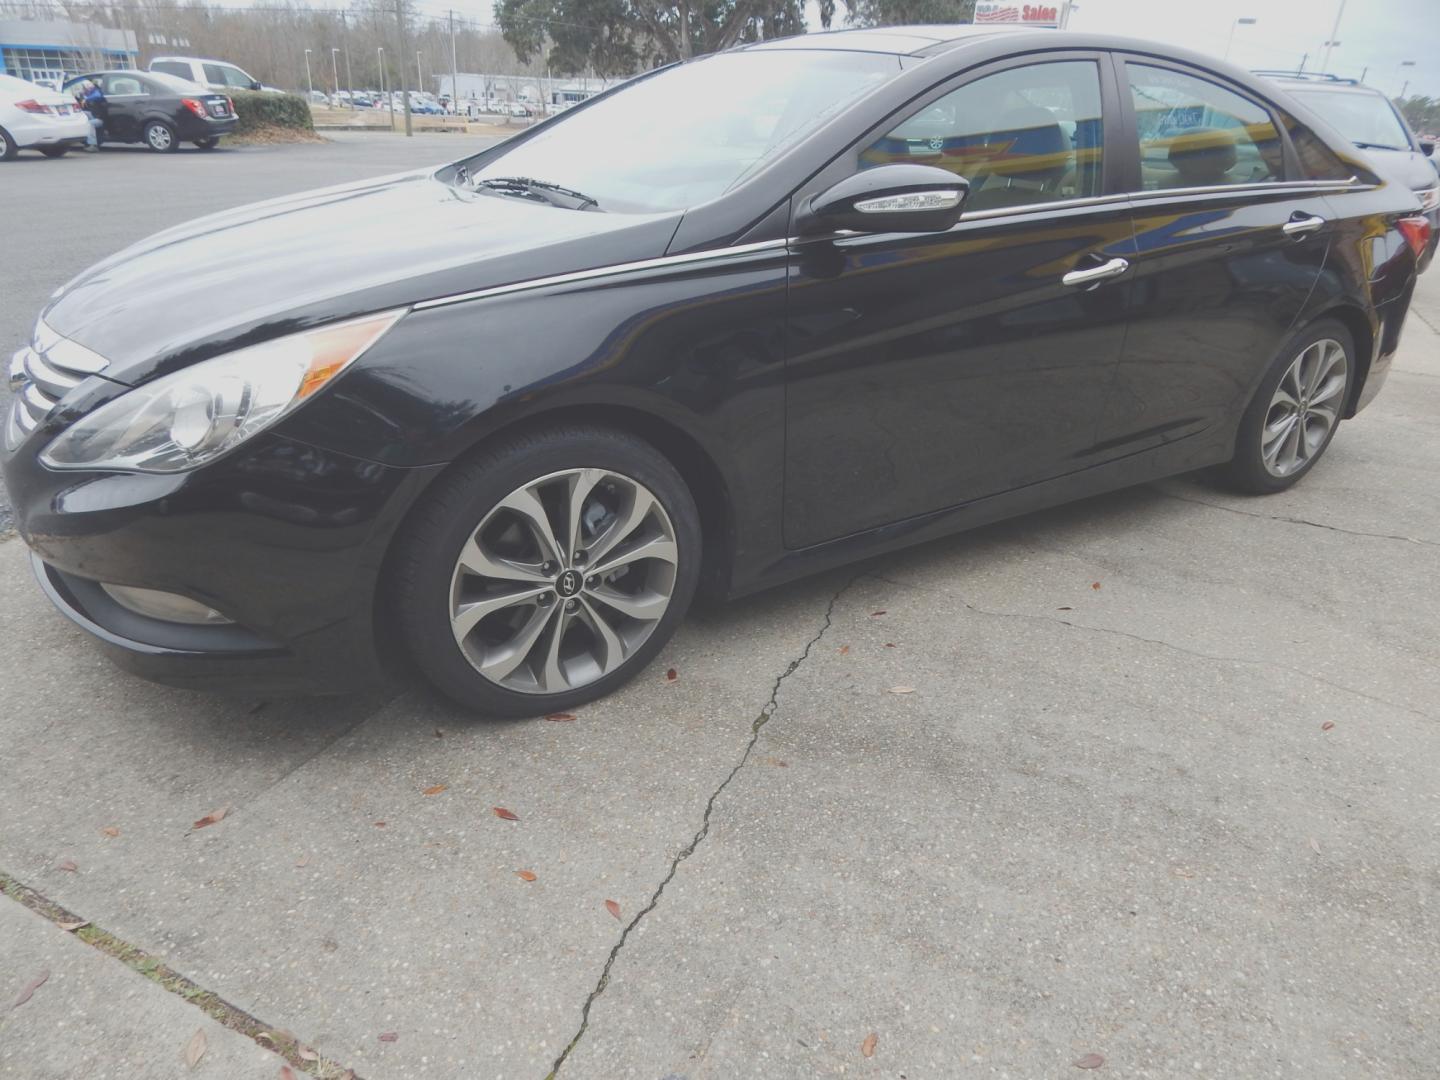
[(1317, 160), (172, 67), (214, 74), (1026, 135), (233, 76), (1194, 133), (121, 85)]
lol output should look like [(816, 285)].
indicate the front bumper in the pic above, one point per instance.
[(284, 538)]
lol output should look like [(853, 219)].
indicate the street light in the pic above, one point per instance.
[(419, 75), (310, 86), (389, 105), (1334, 39), (335, 70), (1230, 40)]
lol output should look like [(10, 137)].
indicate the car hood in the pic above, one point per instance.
[(1407, 167), (245, 275)]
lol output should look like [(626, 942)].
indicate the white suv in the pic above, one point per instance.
[(213, 73)]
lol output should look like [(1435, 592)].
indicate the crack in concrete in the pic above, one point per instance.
[(149, 966), (1298, 521), (689, 849)]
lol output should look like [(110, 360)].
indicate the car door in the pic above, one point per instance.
[(1230, 241), (126, 96), (928, 370)]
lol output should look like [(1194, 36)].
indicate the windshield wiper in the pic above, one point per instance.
[(1378, 146), (553, 194)]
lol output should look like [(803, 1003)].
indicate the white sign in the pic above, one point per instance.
[(1011, 11)]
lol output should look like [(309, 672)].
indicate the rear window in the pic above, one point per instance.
[(1317, 160), (171, 67), (1367, 120)]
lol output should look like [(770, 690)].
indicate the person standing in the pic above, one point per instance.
[(93, 101)]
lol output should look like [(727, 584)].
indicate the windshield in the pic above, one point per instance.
[(1361, 118), (690, 133)]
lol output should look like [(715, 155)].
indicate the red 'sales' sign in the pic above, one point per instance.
[(1007, 11)]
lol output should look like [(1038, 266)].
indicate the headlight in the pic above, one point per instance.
[(193, 416), (1429, 198)]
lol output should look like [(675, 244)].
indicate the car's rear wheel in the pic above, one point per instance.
[(208, 144), (9, 149), (160, 137), (547, 570), (54, 151), (1294, 415)]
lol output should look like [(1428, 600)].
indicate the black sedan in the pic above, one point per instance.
[(158, 110), (739, 320)]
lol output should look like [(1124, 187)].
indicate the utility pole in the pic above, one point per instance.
[(335, 70), (404, 48), (349, 75), (389, 105), (454, 69), (1334, 35), (419, 74)]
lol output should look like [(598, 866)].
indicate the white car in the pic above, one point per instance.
[(216, 74), (34, 118)]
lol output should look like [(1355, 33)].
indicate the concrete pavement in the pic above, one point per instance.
[(1160, 788)]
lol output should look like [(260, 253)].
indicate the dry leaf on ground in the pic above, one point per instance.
[(434, 789), (211, 818), (1089, 1061), (612, 907), (902, 689), (71, 925), (1096, 586), (111, 831), (389, 1036), (306, 1054), (29, 988), (287, 1073), (525, 875), (561, 717), (67, 864), (844, 649), (868, 1046), (877, 614), (671, 675), (1327, 725), (501, 812), (195, 1048)]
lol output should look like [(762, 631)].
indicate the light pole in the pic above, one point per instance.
[(1231, 39), (1334, 39), (310, 86), (389, 105), (1403, 65), (335, 70), (419, 75)]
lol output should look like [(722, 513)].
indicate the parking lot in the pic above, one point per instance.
[(1145, 784)]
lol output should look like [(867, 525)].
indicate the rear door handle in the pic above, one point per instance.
[(1093, 274), (1302, 226)]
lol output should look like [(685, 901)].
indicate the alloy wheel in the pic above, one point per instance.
[(159, 137), (563, 580), (1305, 407)]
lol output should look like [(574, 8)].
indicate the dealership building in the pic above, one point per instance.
[(51, 52)]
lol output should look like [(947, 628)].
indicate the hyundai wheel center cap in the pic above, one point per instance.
[(568, 584)]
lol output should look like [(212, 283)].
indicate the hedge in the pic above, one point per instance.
[(258, 109)]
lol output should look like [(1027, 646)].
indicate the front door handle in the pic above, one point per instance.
[(1089, 276), (1302, 226)]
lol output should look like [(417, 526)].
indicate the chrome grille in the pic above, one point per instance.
[(40, 375)]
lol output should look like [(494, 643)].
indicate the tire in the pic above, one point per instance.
[(9, 151), (54, 151), (508, 623), (1306, 364), (208, 144), (160, 137)]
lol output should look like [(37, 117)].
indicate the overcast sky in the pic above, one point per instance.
[(1378, 34)]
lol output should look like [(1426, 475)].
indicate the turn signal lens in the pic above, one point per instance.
[(1416, 231), (198, 108), (193, 416)]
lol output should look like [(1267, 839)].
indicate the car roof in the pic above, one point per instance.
[(1317, 81)]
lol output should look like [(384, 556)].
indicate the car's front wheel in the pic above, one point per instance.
[(160, 137), (1296, 410), (547, 570)]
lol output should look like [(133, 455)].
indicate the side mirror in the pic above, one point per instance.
[(255, 84), (1427, 147), (889, 198)]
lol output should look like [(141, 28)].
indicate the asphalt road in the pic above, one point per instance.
[(1163, 791)]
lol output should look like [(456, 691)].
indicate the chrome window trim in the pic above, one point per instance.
[(1277, 185), (596, 273)]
